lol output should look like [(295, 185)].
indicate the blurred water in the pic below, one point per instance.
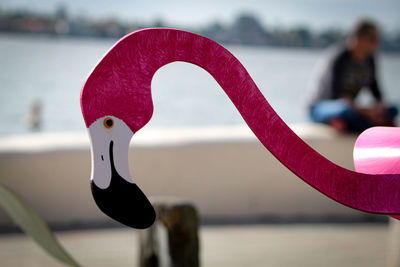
[(53, 70)]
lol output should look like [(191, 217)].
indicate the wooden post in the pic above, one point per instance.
[(173, 239), (394, 243)]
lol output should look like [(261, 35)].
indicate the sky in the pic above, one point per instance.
[(316, 14)]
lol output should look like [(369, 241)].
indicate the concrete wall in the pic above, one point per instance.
[(225, 171)]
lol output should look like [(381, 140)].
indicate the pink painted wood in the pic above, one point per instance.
[(120, 86), (377, 151)]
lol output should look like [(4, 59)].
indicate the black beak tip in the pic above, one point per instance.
[(125, 203)]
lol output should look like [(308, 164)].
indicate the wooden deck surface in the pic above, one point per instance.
[(320, 245)]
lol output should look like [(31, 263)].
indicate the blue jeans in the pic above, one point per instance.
[(326, 110)]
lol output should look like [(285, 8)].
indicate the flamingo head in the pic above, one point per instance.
[(116, 102)]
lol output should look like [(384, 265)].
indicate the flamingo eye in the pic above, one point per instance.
[(108, 122)]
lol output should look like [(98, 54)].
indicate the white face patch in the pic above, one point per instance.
[(102, 132)]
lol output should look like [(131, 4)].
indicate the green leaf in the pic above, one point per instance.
[(31, 223)]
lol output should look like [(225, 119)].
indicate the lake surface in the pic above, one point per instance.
[(53, 70)]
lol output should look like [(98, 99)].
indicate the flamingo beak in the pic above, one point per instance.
[(113, 189)]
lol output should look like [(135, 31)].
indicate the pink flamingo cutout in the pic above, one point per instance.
[(116, 102), (377, 151)]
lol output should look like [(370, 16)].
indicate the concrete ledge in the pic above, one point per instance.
[(224, 171), (42, 142)]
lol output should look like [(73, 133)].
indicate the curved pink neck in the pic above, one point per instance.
[(141, 54)]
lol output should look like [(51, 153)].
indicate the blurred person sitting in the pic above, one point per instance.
[(347, 68)]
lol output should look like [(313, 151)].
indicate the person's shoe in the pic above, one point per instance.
[(338, 124)]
